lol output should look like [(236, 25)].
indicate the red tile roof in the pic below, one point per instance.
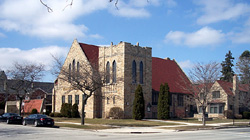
[(168, 71), (228, 86), (91, 52), (31, 104)]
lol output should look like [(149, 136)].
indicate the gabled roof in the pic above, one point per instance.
[(228, 87), (33, 104), (91, 52), (168, 71)]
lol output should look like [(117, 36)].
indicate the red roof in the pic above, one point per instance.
[(33, 104), (168, 71), (91, 52), (228, 87)]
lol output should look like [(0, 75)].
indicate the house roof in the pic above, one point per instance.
[(91, 52), (33, 104), (168, 71), (228, 86)]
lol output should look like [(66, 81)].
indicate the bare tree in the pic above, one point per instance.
[(203, 75), (86, 78), (22, 76), (71, 3)]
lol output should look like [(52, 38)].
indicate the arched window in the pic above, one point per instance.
[(73, 69), (69, 76), (141, 72), (114, 72), (78, 70), (134, 72), (107, 72)]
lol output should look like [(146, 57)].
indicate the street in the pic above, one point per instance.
[(18, 132)]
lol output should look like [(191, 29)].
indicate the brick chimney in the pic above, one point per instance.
[(236, 94)]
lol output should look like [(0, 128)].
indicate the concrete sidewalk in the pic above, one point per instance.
[(155, 129)]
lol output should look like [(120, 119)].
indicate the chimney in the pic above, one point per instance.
[(137, 44), (235, 84)]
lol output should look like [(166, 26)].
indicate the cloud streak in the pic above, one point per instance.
[(206, 36), (37, 55)]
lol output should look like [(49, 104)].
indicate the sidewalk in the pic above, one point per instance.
[(155, 129)]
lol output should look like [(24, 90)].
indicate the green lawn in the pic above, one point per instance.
[(116, 122)]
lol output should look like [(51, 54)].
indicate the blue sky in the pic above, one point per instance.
[(189, 31)]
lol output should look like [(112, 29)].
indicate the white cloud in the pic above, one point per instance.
[(186, 64), (37, 55), (2, 35), (171, 3), (242, 37), (203, 37), (130, 9), (219, 10), (30, 17)]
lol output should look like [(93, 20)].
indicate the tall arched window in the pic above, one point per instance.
[(69, 76), (78, 70), (73, 69), (134, 72), (107, 72), (141, 72), (114, 72)]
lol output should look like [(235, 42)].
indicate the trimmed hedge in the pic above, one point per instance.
[(246, 115), (34, 111), (66, 110), (75, 112), (116, 113)]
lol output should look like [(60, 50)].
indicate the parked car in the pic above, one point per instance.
[(11, 118), (38, 120)]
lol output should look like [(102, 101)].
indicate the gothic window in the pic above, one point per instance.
[(107, 72), (69, 77), (113, 100), (107, 100), (77, 99), (141, 72), (70, 99), (73, 70), (63, 99), (77, 70), (114, 72), (216, 94), (180, 100), (134, 72)]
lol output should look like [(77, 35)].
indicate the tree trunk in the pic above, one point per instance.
[(83, 111), (203, 116), (20, 106)]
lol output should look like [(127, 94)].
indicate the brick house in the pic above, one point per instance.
[(41, 90), (227, 96), (133, 65)]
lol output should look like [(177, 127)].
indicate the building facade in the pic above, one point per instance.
[(125, 67)]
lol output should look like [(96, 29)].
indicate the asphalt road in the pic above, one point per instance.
[(19, 132)]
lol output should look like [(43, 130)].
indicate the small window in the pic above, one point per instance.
[(39, 97), (78, 71), (134, 72), (107, 72), (70, 99), (73, 70), (180, 100), (107, 100), (141, 72), (69, 77), (63, 99), (114, 72), (77, 99), (113, 100), (216, 94)]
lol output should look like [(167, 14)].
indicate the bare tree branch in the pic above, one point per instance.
[(70, 4), (48, 8)]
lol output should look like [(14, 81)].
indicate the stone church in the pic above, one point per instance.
[(126, 66)]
